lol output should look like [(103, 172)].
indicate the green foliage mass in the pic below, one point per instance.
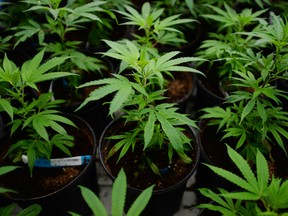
[(136, 95), (118, 199), (258, 194), (38, 115)]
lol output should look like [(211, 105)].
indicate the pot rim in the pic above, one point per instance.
[(159, 191), (76, 180)]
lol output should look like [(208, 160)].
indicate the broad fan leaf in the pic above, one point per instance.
[(7, 169), (7, 107), (119, 194), (34, 209), (141, 201), (170, 132), (245, 169), (262, 172), (149, 128), (93, 202)]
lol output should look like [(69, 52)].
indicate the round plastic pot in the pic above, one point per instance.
[(163, 201), (68, 197), (209, 92), (213, 152)]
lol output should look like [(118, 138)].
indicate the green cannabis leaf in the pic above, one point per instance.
[(252, 114), (37, 115), (259, 193), (118, 199), (136, 92), (156, 30)]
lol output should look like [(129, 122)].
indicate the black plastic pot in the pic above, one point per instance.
[(163, 201), (213, 152), (209, 91), (67, 198)]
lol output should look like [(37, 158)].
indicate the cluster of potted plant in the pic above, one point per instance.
[(258, 194), (253, 117), (146, 86)]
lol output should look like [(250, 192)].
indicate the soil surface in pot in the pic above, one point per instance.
[(45, 180), (179, 88), (139, 175)]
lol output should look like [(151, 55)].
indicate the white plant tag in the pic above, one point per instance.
[(59, 162)]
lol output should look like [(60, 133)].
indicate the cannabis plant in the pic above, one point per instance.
[(258, 194), (273, 35), (138, 94), (58, 20), (32, 210), (152, 28), (59, 28), (225, 40), (36, 115), (109, 27), (253, 112), (252, 115), (118, 199)]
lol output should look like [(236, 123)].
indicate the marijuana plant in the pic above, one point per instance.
[(272, 33), (253, 112), (60, 28), (138, 95), (258, 194), (57, 30), (118, 199), (225, 41), (36, 115), (154, 29), (273, 36), (59, 19), (109, 27), (252, 115)]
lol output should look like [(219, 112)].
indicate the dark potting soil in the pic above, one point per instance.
[(45, 180), (139, 175), (180, 87)]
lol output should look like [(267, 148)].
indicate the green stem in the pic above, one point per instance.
[(21, 99), (265, 204)]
